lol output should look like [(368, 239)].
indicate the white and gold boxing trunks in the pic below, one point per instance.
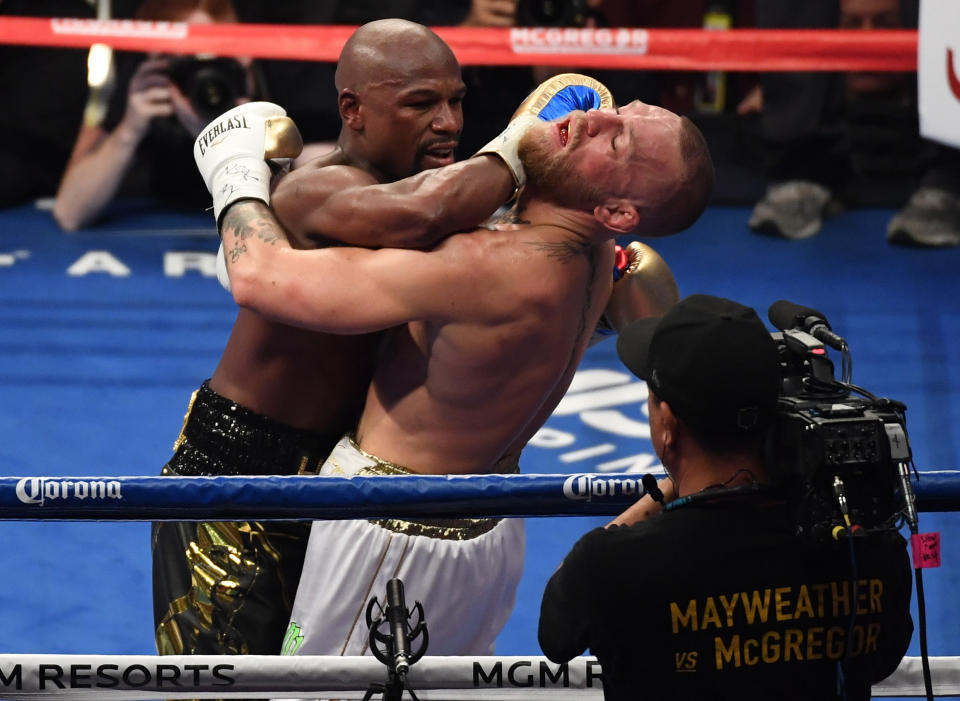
[(465, 572)]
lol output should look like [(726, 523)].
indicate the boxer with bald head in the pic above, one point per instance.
[(376, 61), (491, 326), (281, 396)]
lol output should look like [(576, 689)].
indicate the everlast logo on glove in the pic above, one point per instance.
[(237, 168), (237, 121)]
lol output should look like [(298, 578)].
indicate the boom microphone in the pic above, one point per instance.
[(397, 616), (786, 315)]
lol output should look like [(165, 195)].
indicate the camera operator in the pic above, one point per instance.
[(143, 145), (715, 596)]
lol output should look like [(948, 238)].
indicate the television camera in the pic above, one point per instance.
[(840, 452)]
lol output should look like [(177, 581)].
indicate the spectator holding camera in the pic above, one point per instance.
[(143, 145), (715, 595)]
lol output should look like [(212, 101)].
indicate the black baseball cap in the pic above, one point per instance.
[(711, 359)]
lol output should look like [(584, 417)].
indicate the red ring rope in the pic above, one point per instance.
[(652, 49)]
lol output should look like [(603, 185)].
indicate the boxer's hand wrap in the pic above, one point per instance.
[(232, 152), (553, 98), (643, 287)]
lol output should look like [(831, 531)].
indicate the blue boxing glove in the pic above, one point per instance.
[(553, 98), (563, 94)]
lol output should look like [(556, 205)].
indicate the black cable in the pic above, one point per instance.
[(406, 685), (835, 387), (815, 388), (921, 602), (922, 615), (843, 666)]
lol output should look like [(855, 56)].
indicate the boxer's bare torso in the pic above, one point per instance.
[(455, 396), (487, 330)]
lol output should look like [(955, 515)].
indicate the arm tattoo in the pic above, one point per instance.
[(242, 223), (234, 253)]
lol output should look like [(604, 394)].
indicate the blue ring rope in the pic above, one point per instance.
[(307, 498)]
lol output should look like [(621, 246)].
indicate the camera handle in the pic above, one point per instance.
[(806, 346)]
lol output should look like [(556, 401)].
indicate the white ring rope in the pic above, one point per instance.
[(133, 677)]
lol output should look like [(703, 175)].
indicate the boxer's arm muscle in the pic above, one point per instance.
[(342, 290), (345, 204)]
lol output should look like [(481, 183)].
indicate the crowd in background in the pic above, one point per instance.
[(798, 147)]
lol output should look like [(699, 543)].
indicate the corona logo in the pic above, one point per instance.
[(36, 490), (586, 487)]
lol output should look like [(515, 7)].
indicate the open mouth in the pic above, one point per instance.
[(441, 152), (564, 133)]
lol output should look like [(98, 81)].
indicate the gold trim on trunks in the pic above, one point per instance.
[(186, 417), (441, 528)]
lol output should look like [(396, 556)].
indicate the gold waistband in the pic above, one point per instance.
[(442, 528), (507, 465)]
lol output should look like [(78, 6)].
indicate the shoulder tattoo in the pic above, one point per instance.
[(564, 251)]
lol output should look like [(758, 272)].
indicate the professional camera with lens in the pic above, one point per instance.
[(551, 13), (841, 453), (213, 85)]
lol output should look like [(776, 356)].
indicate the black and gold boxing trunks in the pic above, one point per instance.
[(228, 587)]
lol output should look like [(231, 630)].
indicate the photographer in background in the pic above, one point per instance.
[(143, 145), (715, 595)]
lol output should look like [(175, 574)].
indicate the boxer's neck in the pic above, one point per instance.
[(581, 226)]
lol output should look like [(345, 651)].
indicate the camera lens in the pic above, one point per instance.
[(211, 92), (213, 85)]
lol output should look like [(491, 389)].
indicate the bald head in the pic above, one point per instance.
[(390, 51), (400, 95)]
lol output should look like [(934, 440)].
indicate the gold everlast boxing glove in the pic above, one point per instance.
[(646, 288), (553, 98)]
